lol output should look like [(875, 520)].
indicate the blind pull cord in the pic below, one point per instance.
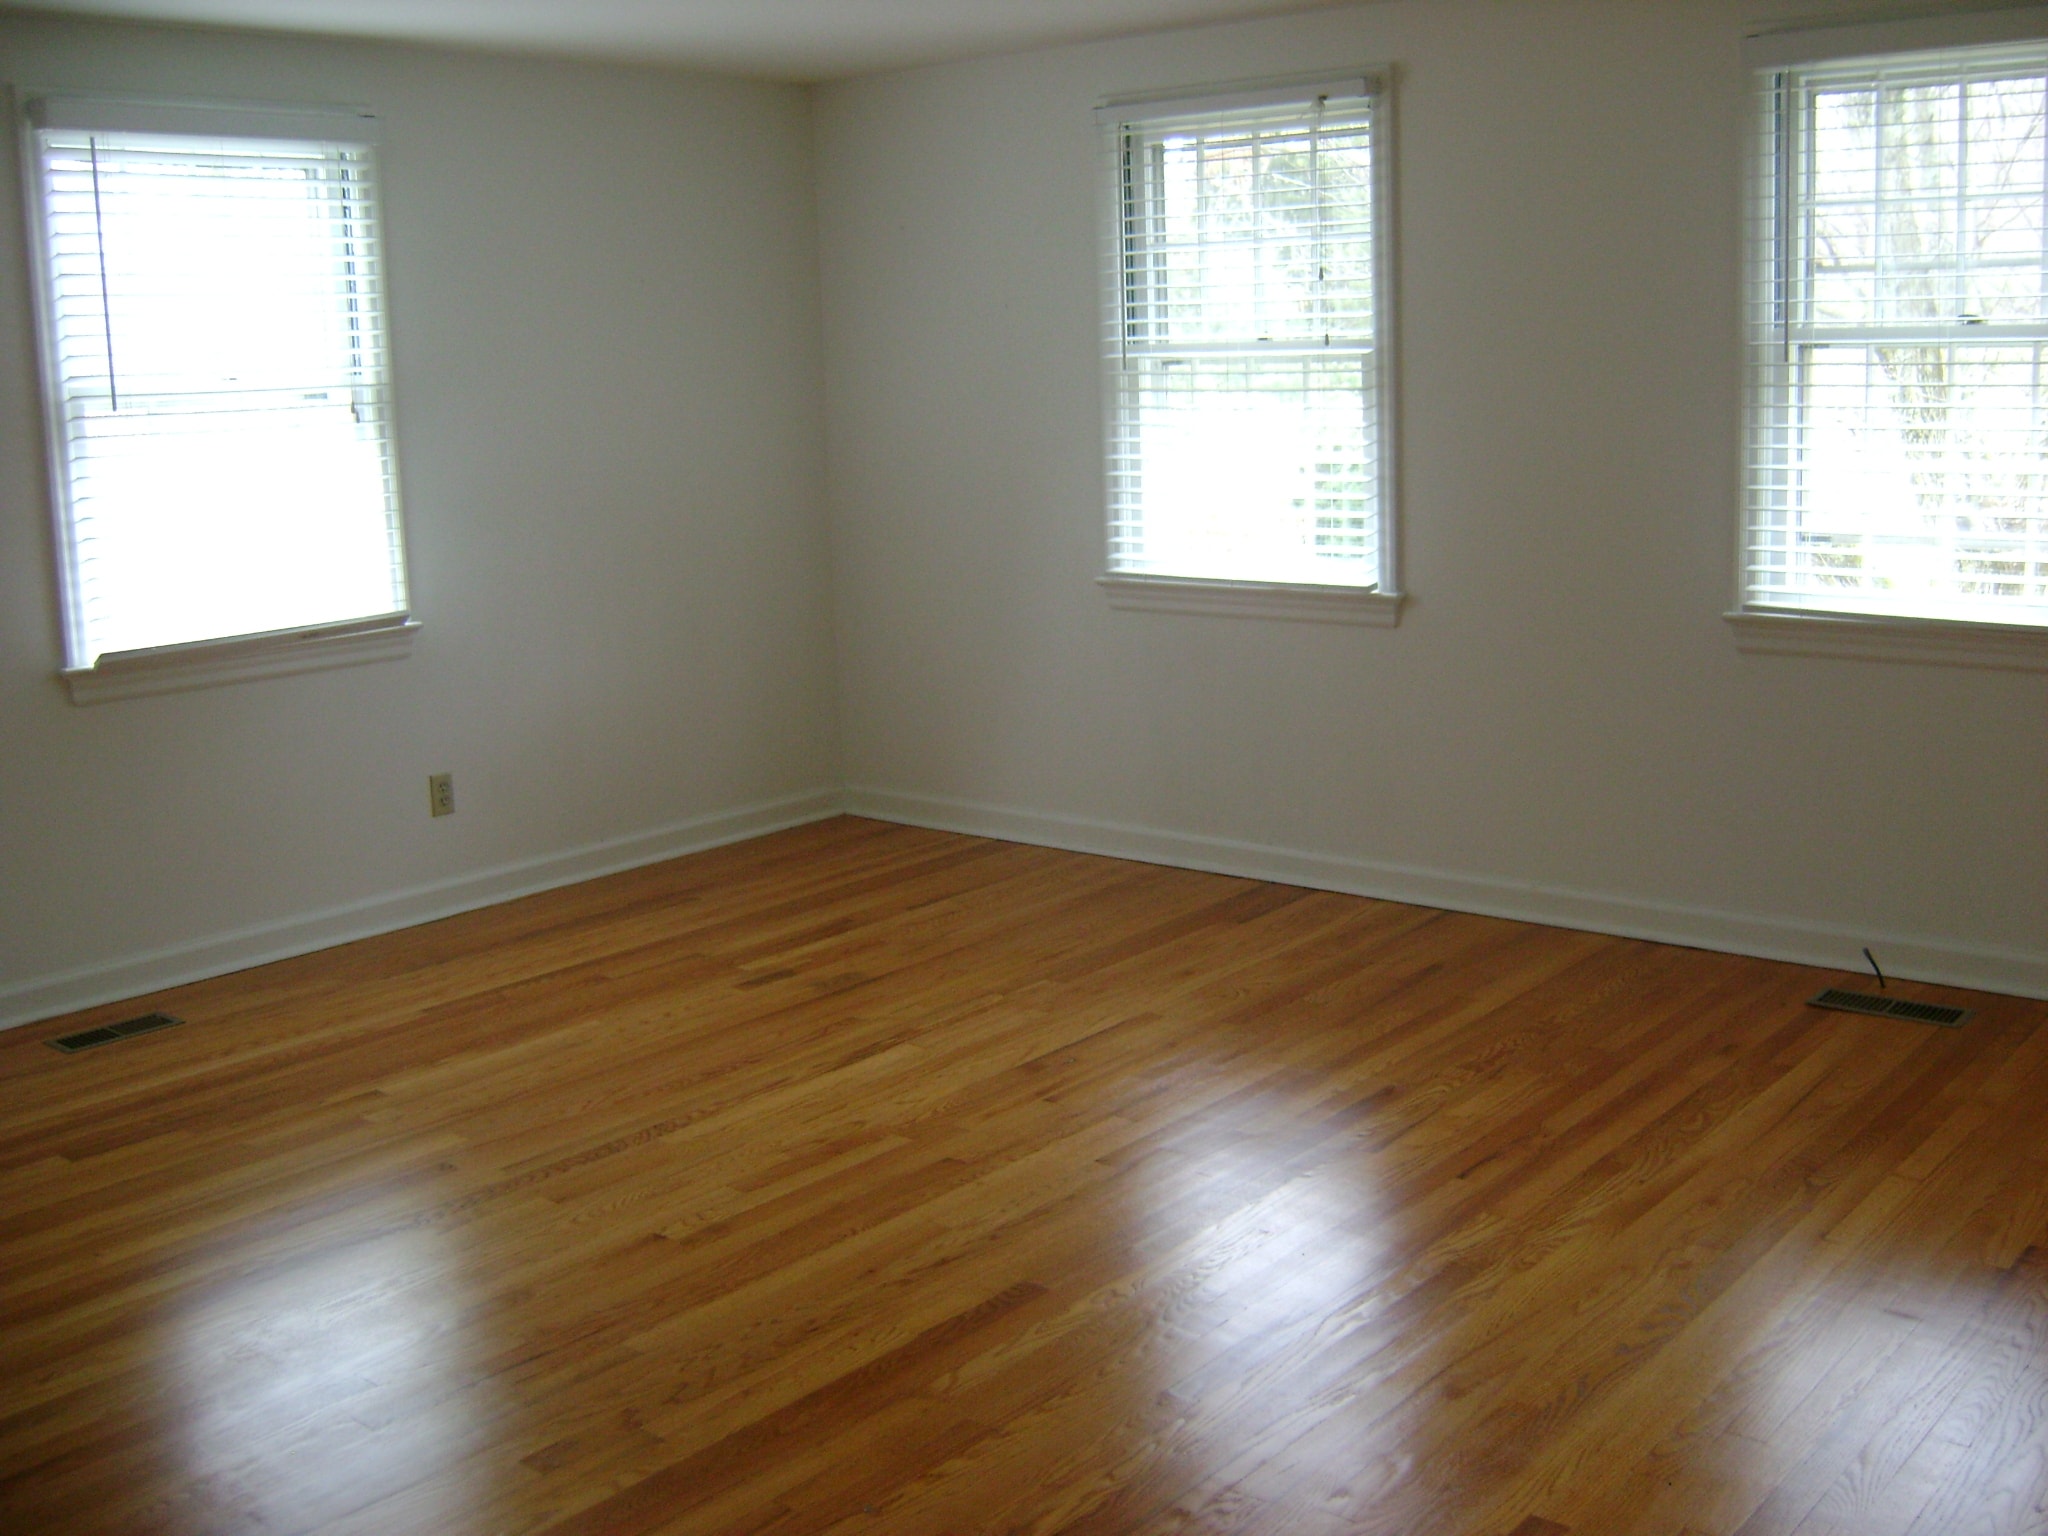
[(1315, 172), (99, 235), (1127, 238), (358, 368)]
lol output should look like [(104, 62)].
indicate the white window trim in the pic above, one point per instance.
[(206, 663), (1765, 629), (1311, 602), (1378, 604), (235, 658)]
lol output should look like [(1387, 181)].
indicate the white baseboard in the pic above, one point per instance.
[(2015, 972), (43, 996)]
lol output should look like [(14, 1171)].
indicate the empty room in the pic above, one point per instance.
[(1113, 767)]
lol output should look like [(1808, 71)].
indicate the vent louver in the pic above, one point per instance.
[(107, 1034), (1890, 1007)]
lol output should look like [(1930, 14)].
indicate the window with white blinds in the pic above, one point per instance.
[(1898, 461), (1245, 345), (214, 337)]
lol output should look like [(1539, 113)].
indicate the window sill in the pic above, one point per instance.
[(1932, 642), (207, 663), (1304, 602)]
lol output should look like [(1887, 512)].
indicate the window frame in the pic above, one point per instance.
[(221, 659), (1774, 58), (1379, 602)]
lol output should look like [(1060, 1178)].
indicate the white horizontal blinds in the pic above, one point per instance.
[(217, 334), (1900, 455), (1245, 442)]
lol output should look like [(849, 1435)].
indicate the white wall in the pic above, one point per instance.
[(605, 328), (1561, 726)]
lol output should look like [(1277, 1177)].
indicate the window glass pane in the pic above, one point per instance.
[(1923, 480), (199, 519), (1923, 202), (1250, 469), (1916, 209), (1259, 233), (1845, 146), (2002, 212)]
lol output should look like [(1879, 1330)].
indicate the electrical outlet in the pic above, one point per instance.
[(441, 794)]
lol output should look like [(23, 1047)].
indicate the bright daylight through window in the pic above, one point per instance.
[(214, 348), (1899, 433), (1245, 348)]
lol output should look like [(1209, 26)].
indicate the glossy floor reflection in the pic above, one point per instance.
[(352, 1368), (871, 1180)]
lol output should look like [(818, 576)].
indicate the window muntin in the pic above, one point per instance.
[(1899, 458), (215, 351), (1246, 360)]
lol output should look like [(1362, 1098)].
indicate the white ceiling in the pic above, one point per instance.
[(774, 39)]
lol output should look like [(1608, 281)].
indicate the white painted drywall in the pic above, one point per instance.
[(605, 326), (1562, 713)]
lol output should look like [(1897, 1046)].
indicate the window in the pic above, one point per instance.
[(1248, 363), (213, 336), (1898, 459)]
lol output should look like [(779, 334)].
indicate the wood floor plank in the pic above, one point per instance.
[(878, 1181)]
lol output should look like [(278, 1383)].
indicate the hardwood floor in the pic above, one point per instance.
[(866, 1179)]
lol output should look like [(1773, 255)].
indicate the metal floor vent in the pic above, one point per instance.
[(1890, 1007), (107, 1034)]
